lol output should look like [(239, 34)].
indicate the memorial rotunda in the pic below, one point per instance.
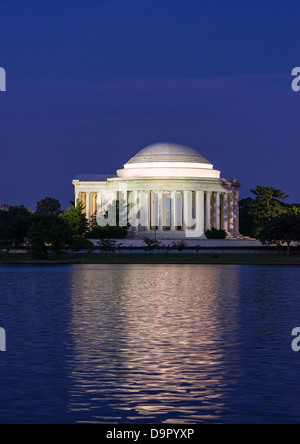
[(167, 188)]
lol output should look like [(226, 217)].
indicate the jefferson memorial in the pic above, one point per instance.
[(165, 188)]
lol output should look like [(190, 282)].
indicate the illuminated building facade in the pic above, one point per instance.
[(168, 188)]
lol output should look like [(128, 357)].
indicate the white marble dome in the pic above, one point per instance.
[(168, 160), (168, 152)]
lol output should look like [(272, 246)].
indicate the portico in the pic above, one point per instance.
[(167, 188)]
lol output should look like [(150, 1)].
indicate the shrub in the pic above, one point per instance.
[(179, 246), (108, 246), (215, 234), (150, 245)]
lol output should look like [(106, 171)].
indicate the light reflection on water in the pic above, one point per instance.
[(153, 344)]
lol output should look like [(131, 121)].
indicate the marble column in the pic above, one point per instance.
[(168, 211), (236, 213), (208, 210), (145, 210), (123, 203), (98, 205), (173, 212), (225, 212), (153, 208), (148, 210), (188, 220), (94, 211), (164, 210), (88, 206), (185, 211), (160, 211), (104, 201), (217, 211), (99, 202), (181, 210), (134, 222), (111, 206), (231, 213), (199, 201)]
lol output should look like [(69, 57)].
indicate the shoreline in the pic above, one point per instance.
[(207, 259)]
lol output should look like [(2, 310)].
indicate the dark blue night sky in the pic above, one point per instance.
[(91, 82)]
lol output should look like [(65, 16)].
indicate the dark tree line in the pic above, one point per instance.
[(266, 217), (50, 228), (269, 218), (47, 227)]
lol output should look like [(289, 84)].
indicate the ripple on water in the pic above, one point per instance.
[(141, 343)]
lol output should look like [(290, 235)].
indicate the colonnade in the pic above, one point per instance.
[(191, 212)]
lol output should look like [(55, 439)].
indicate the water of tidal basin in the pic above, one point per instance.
[(149, 344)]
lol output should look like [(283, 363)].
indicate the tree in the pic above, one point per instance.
[(38, 248), (14, 226), (48, 230), (179, 246), (76, 218), (37, 240), (150, 245), (246, 219), (282, 229), (108, 246), (59, 235), (81, 243), (114, 247), (49, 205), (266, 206)]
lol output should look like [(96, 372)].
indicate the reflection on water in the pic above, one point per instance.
[(150, 343)]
